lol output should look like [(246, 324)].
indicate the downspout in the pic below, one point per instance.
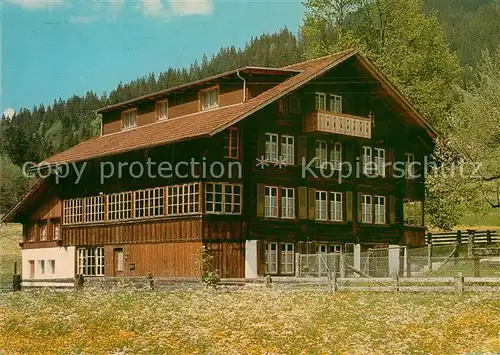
[(244, 85)]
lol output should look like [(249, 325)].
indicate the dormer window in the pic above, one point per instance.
[(129, 118), (209, 98), (162, 110)]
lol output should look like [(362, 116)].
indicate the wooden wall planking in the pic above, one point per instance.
[(228, 258)]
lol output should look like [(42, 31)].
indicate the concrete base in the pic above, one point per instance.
[(251, 260)]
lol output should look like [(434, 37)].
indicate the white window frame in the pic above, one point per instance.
[(380, 210), (119, 206), (209, 98), (271, 205), (321, 212), (336, 212), (43, 230), (321, 154), (336, 156), (41, 267), (129, 118), (230, 198), (73, 211), (368, 165), (409, 166), (379, 159), (233, 143), (52, 266), (94, 209), (271, 258), (287, 150), (366, 208), (149, 203), (287, 258), (90, 261), (56, 225), (287, 203), (162, 110), (272, 148), (320, 101), (183, 199), (335, 103)]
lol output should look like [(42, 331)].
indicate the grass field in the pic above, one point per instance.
[(248, 322)]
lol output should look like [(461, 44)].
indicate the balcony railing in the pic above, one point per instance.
[(337, 123)]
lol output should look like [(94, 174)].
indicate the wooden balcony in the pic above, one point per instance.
[(337, 123)]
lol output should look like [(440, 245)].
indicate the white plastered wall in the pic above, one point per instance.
[(64, 262)]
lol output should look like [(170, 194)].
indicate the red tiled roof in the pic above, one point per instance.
[(205, 123)]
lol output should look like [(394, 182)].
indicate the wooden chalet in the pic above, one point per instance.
[(250, 200)]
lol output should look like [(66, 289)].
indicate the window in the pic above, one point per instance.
[(183, 199), (294, 104), (149, 203), (223, 198), (321, 154), (380, 161), (281, 105), (73, 211), (129, 118), (271, 147), (379, 209), (233, 143), (335, 103), (336, 156), (287, 150), (209, 98), (287, 202), (162, 110), (119, 259), (271, 258), (321, 206), (271, 201), (368, 166), (31, 265), (320, 102), (41, 267), (287, 258), (56, 229), (336, 206), (42, 225), (412, 213), (91, 261), (52, 267), (119, 206), (94, 209), (409, 166), (366, 209)]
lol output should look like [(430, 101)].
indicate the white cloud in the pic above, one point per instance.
[(83, 19), (170, 8), (37, 4), (9, 113)]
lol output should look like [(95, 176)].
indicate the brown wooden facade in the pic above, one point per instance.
[(169, 245)]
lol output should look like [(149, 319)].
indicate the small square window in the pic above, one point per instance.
[(129, 119), (162, 110), (209, 98)]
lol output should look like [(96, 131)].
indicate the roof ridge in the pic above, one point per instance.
[(320, 58)]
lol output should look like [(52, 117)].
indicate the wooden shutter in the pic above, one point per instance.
[(261, 145), (311, 203), (348, 206), (389, 171), (360, 207), (302, 149), (392, 209), (302, 202), (261, 190)]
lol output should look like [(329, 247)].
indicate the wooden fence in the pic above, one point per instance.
[(463, 237), (457, 284)]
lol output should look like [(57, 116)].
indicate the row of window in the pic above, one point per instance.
[(208, 99), (42, 268), (44, 231), (173, 200), (90, 261)]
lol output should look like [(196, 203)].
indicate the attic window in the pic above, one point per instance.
[(162, 110), (209, 98), (129, 118)]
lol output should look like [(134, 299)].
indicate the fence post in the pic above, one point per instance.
[(268, 281), (429, 256), (488, 237), (470, 242), (297, 265), (342, 263), (476, 266), (397, 282), (429, 238), (459, 237), (151, 281), (16, 279), (459, 283), (79, 281)]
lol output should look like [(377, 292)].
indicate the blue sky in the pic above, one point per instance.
[(57, 48)]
